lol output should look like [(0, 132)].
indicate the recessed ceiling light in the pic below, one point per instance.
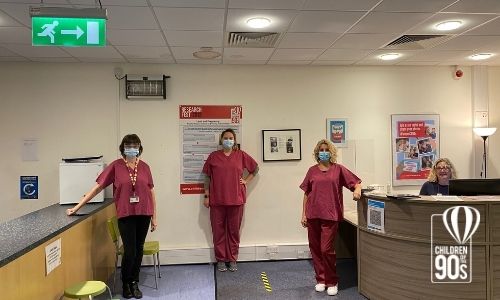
[(389, 56), (481, 56), (258, 22), (448, 25), (206, 53)]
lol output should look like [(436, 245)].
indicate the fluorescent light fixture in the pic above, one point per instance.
[(389, 56), (484, 131), (481, 56), (67, 12), (448, 25), (258, 22)]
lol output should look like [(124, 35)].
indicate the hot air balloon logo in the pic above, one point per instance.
[(461, 233)]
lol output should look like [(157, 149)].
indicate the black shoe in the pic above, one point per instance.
[(127, 292), (135, 290)]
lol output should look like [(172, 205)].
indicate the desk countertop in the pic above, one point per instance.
[(19, 236)]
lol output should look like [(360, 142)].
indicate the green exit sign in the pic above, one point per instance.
[(68, 32)]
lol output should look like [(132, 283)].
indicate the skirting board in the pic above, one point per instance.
[(247, 253)]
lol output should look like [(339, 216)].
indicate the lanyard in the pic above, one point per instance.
[(133, 176)]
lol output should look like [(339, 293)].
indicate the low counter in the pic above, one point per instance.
[(397, 263), (86, 250)]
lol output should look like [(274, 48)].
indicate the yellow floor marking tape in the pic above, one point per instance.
[(267, 285)]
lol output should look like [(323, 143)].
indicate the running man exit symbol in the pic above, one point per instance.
[(69, 32)]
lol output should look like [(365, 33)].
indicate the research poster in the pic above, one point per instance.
[(200, 129), (415, 147)]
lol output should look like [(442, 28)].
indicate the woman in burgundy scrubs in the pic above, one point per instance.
[(225, 195), (135, 207), (323, 211)]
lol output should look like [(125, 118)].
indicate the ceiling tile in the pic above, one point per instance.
[(195, 38), (468, 20), (438, 55), (101, 60), (133, 52), (266, 4), (20, 12), (200, 61), (296, 54), (490, 28), (12, 58), (333, 62), (190, 18), (106, 3), (340, 5), (247, 53), (344, 54), (37, 1), (190, 3), (417, 63), (465, 42), (280, 20), (364, 41), (121, 17), (152, 60), (289, 62), (381, 22), (324, 21), (54, 59), (135, 37), (373, 58), (244, 62), (7, 21), (308, 40), (6, 52), (187, 52), (30, 51), (413, 6), (94, 52), (475, 6), (15, 35)]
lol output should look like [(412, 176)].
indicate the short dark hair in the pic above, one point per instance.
[(130, 139), (235, 147)]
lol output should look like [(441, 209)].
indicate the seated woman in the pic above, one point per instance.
[(437, 182)]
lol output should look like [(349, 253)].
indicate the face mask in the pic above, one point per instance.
[(131, 152), (228, 143), (324, 156)]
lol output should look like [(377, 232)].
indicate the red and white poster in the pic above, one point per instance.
[(415, 147), (200, 129)]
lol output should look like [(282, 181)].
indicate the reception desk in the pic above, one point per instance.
[(86, 251), (397, 263)]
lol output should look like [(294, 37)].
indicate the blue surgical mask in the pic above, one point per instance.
[(131, 152), (324, 156), (227, 144)]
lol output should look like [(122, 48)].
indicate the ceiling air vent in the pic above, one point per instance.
[(251, 39), (415, 42)]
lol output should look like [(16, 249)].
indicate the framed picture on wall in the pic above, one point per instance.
[(281, 145), (336, 132), (415, 147)]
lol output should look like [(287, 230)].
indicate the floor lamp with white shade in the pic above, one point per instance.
[(484, 132)]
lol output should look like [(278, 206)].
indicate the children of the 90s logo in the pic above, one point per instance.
[(452, 261)]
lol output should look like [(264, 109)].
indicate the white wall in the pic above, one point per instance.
[(76, 109), (494, 121)]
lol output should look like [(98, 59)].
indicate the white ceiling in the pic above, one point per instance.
[(315, 32)]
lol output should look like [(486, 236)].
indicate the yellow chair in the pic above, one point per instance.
[(150, 248), (87, 289)]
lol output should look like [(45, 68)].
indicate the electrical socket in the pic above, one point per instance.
[(481, 119), (272, 249)]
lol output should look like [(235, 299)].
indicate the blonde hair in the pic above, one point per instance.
[(331, 148), (433, 174)]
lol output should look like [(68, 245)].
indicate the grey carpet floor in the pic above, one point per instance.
[(288, 279)]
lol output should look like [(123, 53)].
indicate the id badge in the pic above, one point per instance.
[(134, 199)]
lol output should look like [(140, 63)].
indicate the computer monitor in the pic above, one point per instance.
[(474, 187)]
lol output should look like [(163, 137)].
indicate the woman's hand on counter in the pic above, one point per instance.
[(71, 211)]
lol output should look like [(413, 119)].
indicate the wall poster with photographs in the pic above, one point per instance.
[(279, 145), (415, 147), (336, 132)]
